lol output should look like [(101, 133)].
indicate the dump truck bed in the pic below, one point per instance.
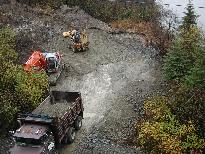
[(63, 108), (57, 104), (54, 110)]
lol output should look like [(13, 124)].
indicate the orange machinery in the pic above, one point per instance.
[(36, 62), (50, 62)]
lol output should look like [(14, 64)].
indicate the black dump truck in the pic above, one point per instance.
[(54, 122)]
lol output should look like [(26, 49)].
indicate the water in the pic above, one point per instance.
[(178, 7)]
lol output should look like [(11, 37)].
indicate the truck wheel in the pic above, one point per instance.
[(78, 123), (71, 135)]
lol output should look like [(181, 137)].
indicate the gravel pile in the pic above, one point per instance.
[(55, 110)]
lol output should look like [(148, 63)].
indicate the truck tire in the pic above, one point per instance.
[(78, 123), (71, 135)]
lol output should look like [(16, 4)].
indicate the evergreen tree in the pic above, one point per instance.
[(185, 50), (196, 76), (190, 17)]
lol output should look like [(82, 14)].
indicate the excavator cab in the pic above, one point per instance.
[(77, 37), (52, 65)]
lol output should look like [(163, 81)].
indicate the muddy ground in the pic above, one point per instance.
[(114, 76)]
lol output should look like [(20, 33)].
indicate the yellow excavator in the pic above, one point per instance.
[(79, 40)]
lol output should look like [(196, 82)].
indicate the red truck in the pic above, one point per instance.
[(52, 123)]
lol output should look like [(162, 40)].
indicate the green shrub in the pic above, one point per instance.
[(7, 44), (19, 91), (30, 88), (108, 11), (196, 75), (51, 3), (177, 62), (175, 123), (8, 110), (161, 131), (104, 10)]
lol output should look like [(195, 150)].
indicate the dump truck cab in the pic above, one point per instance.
[(34, 138)]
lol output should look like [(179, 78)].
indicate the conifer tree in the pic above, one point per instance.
[(190, 17), (186, 47)]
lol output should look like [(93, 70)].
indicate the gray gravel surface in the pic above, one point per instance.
[(55, 110), (5, 144), (114, 76)]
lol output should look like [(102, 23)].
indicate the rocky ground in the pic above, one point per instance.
[(114, 76)]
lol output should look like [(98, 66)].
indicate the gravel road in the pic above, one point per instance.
[(114, 76)]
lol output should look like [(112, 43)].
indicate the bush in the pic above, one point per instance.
[(108, 11), (19, 91), (7, 44), (30, 88), (51, 3), (196, 75), (177, 62), (175, 123), (161, 132), (8, 110)]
